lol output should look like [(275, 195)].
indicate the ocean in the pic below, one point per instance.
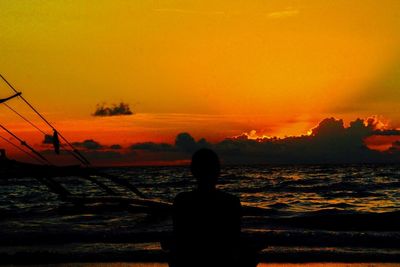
[(294, 213)]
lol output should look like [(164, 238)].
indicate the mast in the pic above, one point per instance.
[(9, 98)]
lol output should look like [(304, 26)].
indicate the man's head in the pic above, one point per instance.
[(205, 167)]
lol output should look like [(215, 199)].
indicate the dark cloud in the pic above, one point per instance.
[(329, 142), (89, 144), (392, 132), (96, 157), (395, 148), (104, 155), (155, 147), (116, 147), (95, 152), (184, 144), (115, 110), (48, 139)]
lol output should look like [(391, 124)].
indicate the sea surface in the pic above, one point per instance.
[(291, 214)]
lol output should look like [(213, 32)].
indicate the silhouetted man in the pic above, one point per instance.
[(206, 221)]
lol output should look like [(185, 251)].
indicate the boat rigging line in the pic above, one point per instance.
[(40, 130), (24, 151), (25, 119), (8, 98), (75, 152), (23, 143), (88, 173)]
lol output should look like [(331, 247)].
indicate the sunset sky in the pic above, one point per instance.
[(214, 69)]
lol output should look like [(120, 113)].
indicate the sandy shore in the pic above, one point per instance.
[(314, 264)]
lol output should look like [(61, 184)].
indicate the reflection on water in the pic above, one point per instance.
[(289, 189), (352, 206), (354, 188)]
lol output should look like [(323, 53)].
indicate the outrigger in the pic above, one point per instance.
[(51, 175)]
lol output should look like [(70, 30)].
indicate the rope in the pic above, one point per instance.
[(40, 130), (26, 152), (26, 144), (25, 119), (80, 157)]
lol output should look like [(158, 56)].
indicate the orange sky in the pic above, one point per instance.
[(211, 69)]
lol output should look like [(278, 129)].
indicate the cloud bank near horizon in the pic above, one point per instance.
[(330, 142)]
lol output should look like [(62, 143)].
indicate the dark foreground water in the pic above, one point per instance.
[(308, 213)]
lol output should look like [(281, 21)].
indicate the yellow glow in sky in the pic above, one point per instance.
[(274, 66)]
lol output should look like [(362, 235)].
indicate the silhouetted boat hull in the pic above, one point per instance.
[(12, 168)]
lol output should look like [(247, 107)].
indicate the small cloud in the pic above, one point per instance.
[(89, 144), (376, 123), (115, 110), (116, 147), (251, 135), (328, 127), (48, 139), (283, 14)]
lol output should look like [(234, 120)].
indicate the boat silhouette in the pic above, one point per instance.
[(51, 175)]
